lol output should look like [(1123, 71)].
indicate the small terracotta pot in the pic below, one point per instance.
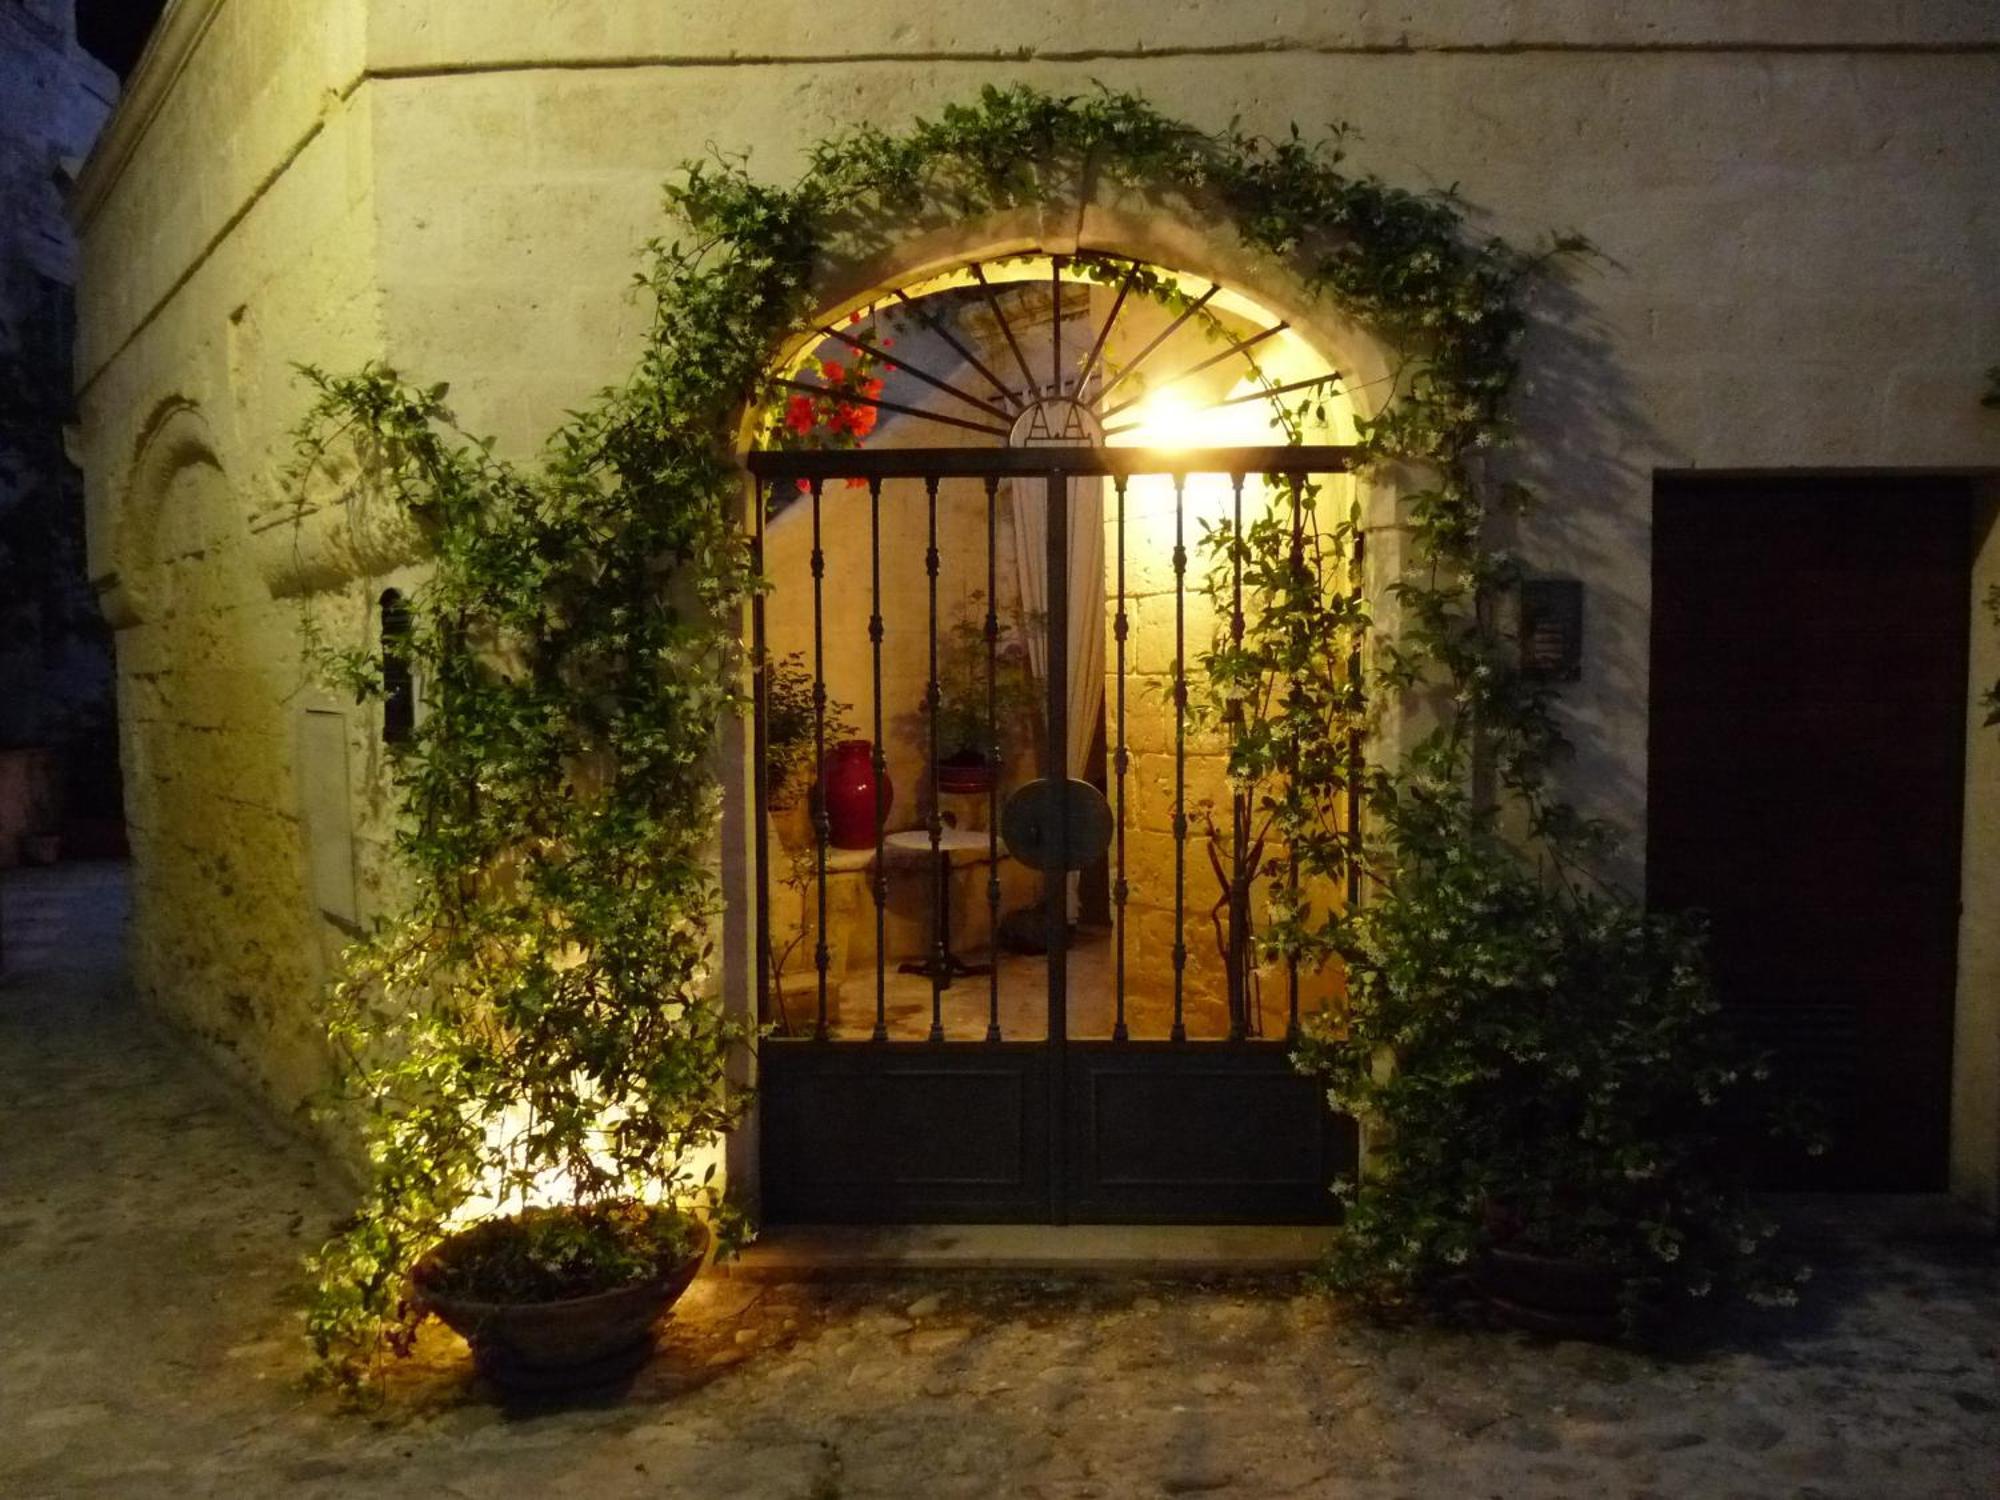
[(575, 1344), (966, 774), (1551, 1294)]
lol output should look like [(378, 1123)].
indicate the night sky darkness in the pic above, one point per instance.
[(115, 31)]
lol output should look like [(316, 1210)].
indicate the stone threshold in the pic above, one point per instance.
[(1171, 1251)]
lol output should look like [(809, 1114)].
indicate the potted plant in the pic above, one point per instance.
[(1561, 1116), (529, 1048), (792, 733), (556, 1298), (976, 729)]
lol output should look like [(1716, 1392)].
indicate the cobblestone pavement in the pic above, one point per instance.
[(150, 1231)]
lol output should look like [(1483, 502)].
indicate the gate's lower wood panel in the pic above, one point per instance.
[(1199, 1133), (904, 1133)]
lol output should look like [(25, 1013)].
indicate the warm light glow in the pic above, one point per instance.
[(552, 1186), (1172, 420), (1165, 419)]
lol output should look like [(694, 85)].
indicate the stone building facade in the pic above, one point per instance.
[(55, 665), (1795, 208)]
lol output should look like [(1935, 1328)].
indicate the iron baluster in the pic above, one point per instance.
[(939, 974), (879, 876), (822, 827), (1120, 762), (1238, 983), (993, 757), (1055, 887), (1300, 578), (1356, 768), (760, 745), (1180, 761)]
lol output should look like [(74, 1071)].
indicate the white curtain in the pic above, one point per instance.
[(1086, 605)]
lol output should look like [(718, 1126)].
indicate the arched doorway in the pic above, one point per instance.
[(996, 511)]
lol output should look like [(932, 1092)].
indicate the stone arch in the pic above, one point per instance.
[(164, 513), (1170, 231), (201, 708), (863, 266)]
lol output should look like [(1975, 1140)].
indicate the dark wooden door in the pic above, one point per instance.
[(1805, 786)]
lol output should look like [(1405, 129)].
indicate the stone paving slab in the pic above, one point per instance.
[(150, 1345), (1181, 1251)]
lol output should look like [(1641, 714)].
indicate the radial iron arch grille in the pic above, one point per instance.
[(1004, 1014), (1025, 351)]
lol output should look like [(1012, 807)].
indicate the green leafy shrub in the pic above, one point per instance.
[(1545, 1068), (793, 731), (964, 727), (551, 1255)]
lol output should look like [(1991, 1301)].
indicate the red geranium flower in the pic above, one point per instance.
[(799, 414), (833, 371), (853, 420), (856, 421)]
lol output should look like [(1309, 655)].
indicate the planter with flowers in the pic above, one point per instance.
[(836, 410)]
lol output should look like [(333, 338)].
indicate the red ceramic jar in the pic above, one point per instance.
[(855, 807)]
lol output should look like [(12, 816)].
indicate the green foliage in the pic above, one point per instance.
[(539, 1007), (792, 730), (1555, 1076), (537, 1018), (548, 1254), (963, 724), (1282, 679)]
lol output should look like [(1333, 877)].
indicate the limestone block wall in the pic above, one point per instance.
[(1759, 182), (1795, 205), (227, 230)]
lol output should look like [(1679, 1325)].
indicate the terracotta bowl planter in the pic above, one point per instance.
[(966, 776), (569, 1345), (1551, 1294)]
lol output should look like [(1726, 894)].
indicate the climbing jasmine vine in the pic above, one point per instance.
[(538, 1007)]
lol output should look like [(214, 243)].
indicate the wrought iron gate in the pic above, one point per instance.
[(964, 1114)]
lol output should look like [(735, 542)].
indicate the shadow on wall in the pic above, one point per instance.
[(1584, 450)]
